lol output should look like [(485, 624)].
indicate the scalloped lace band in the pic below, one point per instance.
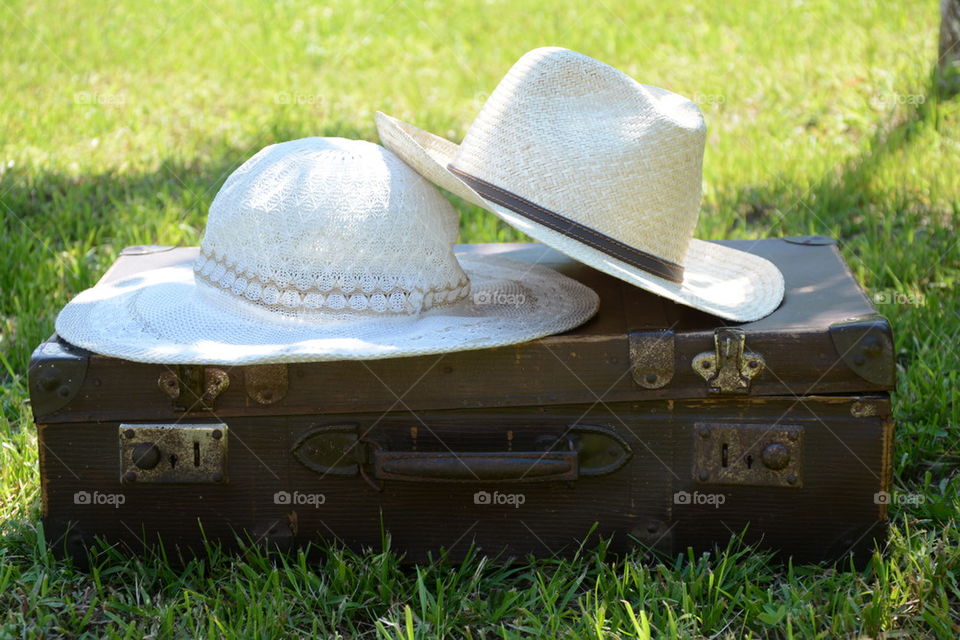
[(291, 299)]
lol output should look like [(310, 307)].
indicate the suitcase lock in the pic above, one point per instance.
[(173, 453)]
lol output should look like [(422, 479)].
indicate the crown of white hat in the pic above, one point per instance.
[(325, 224)]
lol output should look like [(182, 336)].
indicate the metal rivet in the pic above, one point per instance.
[(128, 433), (704, 476), (130, 476), (64, 391), (49, 381), (705, 365), (217, 434), (792, 478), (872, 346), (775, 456), (651, 378), (652, 528)]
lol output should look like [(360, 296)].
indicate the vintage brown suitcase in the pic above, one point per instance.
[(653, 425)]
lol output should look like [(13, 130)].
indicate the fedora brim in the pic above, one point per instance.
[(734, 285), (166, 316)]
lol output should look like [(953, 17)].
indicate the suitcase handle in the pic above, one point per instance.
[(583, 450), (495, 466)]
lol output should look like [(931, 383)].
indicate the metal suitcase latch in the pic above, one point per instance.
[(193, 387), (729, 368)]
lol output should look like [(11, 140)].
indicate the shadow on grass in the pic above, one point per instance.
[(833, 203), (61, 231)]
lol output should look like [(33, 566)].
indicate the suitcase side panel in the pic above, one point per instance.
[(844, 455)]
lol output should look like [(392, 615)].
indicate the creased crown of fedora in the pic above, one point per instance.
[(582, 157), (324, 249)]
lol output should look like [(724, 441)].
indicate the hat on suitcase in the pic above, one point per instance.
[(578, 155), (324, 249)]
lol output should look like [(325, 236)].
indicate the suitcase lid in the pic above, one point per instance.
[(825, 337)]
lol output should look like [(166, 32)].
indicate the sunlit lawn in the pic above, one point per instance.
[(119, 121)]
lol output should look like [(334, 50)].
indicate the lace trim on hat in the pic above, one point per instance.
[(292, 300)]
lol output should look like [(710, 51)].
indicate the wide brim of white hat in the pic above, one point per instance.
[(725, 282), (165, 316)]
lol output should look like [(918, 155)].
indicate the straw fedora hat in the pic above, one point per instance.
[(324, 249), (578, 155)]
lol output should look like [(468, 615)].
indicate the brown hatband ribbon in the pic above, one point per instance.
[(634, 257)]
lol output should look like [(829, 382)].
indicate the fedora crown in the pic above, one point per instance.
[(585, 141), (323, 225)]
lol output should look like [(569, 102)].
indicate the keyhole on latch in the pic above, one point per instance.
[(173, 460), (723, 455), (749, 462), (196, 454)]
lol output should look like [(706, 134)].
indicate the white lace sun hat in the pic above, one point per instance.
[(580, 156), (324, 249)]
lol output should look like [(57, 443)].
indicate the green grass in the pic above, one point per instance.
[(119, 121)]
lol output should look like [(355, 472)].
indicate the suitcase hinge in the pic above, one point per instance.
[(193, 387), (266, 383), (651, 358), (729, 368)]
